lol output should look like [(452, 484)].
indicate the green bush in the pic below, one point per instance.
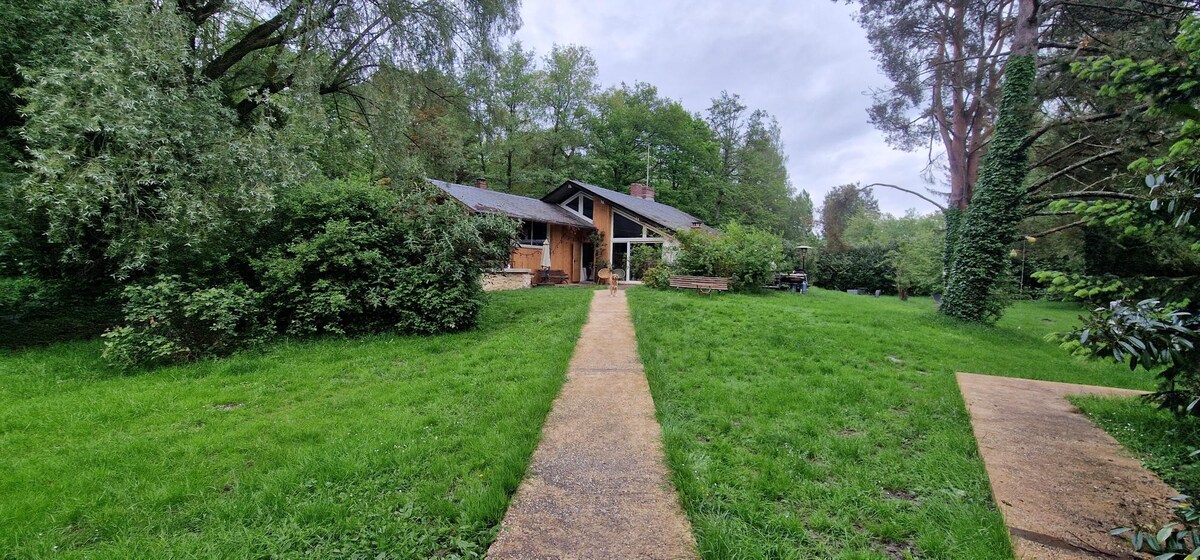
[(22, 296), (747, 256), (644, 258), (170, 320), (349, 257), (862, 267), (657, 277), (36, 312)]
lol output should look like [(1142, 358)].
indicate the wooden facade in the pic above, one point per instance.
[(566, 252), (570, 217)]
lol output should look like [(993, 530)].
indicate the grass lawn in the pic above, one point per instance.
[(378, 447), (1163, 443), (830, 426)]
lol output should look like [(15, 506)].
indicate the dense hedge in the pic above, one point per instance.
[(747, 256), (36, 312), (170, 320), (861, 267), (341, 257), (355, 257)]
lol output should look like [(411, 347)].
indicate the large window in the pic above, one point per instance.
[(624, 227), (582, 205), (622, 252), (533, 233)]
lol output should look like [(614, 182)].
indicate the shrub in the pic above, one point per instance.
[(169, 320), (35, 312), (862, 267), (351, 257), (657, 277), (1159, 337), (644, 258), (22, 296), (746, 255)]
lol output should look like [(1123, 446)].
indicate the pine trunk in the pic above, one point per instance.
[(981, 251)]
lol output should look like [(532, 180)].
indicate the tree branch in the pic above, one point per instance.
[(1082, 194), (1050, 178), (1089, 118), (1056, 229), (914, 193)]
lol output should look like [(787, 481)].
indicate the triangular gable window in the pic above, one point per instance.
[(582, 205)]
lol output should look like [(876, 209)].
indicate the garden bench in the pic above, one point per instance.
[(550, 277), (702, 284)]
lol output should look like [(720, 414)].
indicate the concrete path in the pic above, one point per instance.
[(1061, 482), (598, 486)]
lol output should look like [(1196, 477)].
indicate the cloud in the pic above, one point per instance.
[(806, 62)]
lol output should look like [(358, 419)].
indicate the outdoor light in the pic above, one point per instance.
[(804, 256)]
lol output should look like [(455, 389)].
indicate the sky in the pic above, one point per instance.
[(804, 61)]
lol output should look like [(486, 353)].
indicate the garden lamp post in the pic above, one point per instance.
[(804, 257)]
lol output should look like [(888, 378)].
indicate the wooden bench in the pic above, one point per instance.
[(551, 277), (702, 284)]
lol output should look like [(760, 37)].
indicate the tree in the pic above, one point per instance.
[(725, 117), (635, 133), (841, 204), (567, 90), (991, 222), (912, 245), (132, 165), (508, 126), (619, 134), (152, 142), (34, 34), (798, 219), (943, 58), (762, 185)]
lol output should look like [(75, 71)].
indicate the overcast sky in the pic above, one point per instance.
[(805, 61)]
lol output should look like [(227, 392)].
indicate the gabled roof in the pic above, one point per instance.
[(657, 212), (514, 206)]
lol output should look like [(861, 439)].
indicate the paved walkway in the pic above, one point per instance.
[(598, 486), (1061, 482)]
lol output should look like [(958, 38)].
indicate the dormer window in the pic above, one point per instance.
[(581, 205)]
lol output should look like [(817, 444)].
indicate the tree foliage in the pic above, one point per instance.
[(943, 58), (840, 206), (132, 164)]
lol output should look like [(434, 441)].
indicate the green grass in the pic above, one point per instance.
[(1162, 442), (830, 426), (386, 446)]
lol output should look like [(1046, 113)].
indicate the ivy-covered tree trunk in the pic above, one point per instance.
[(954, 219), (991, 222)]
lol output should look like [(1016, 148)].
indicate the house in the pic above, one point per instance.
[(588, 227)]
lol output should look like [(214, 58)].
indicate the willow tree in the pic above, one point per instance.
[(980, 254), (157, 143)]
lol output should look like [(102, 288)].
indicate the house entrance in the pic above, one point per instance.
[(589, 257)]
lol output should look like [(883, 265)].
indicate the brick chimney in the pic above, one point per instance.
[(481, 183), (641, 191)]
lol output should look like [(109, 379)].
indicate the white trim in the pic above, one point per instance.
[(629, 243), (574, 206), (612, 227)]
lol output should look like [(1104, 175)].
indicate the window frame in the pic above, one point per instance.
[(648, 233), (574, 204), (532, 241)]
